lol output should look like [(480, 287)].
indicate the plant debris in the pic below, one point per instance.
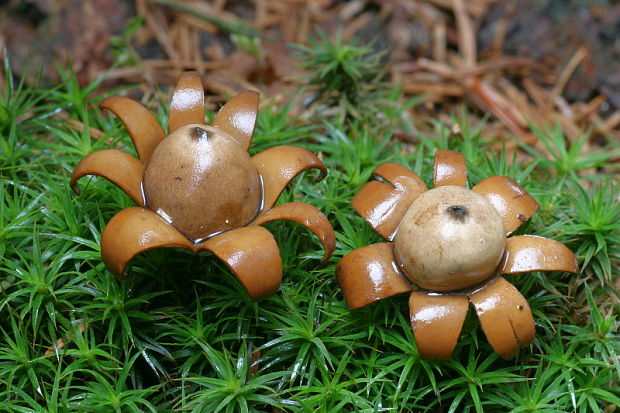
[(482, 53)]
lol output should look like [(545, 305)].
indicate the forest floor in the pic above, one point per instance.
[(527, 89)]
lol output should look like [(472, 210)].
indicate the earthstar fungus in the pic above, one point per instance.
[(448, 248), (197, 188)]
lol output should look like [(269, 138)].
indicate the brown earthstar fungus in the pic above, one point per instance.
[(448, 248), (197, 188)]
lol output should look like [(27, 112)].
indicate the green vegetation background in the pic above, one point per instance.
[(181, 334)]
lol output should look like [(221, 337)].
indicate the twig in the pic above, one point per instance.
[(229, 24), (439, 42), (467, 37), (159, 27), (503, 64), (613, 121), (79, 126), (498, 105), (568, 71), (589, 108), (433, 89)]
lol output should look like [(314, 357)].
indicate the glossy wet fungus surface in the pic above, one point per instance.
[(449, 247), (197, 188)]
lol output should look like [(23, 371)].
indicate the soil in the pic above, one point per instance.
[(550, 31)]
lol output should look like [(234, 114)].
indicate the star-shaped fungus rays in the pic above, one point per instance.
[(197, 187), (449, 247)]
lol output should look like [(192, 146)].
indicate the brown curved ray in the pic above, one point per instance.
[(383, 204), (525, 253), (449, 169), (118, 167), (238, 117), (135, 230), (437, 321), (187, 105), (252, 255), (513, 203), (505, 317), (143, 128), (306, 215), (279, 165), (370, 274)]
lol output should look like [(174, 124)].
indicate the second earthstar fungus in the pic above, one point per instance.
[(197, 188), (449, 247)]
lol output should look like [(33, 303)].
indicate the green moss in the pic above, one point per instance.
[(180, 333)]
